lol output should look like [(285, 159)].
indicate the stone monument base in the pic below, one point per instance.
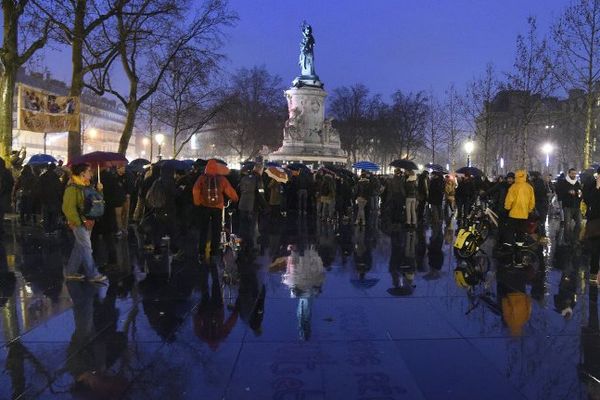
[(307, 136)]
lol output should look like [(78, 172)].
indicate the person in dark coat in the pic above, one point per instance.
[(540, 190), (594, 215), (569, 191), (422, 195), (465, 196), (6, 189), (51, 198), (303, 183), (26, 188), (123, 191), (394, 197), (436, 198)]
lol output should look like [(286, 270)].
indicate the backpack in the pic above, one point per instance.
[(156, 198), (93, 203), (211, 195)]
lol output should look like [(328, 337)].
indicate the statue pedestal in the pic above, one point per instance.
[(307, 136)]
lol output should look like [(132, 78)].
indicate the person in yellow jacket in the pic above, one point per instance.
[(519, 202)]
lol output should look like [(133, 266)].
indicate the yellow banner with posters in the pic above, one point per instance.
[(40, 111)]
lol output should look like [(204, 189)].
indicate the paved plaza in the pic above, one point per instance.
[(339, 318)]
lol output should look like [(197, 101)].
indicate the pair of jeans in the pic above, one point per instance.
[(82, 254), (572, 214), (302, 198), (328, 207), (361, 202), (210, 217), (411, 210)]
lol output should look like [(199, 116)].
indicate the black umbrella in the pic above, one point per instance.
[(137, 165), (404, 164), (469, 170), (435, 167), (340, 171), (298, 167)]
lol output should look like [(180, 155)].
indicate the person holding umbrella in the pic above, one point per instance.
[(76, 208)]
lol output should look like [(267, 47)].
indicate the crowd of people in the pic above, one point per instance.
[(167, 205)]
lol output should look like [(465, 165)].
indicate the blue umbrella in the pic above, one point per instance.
[(41, 159), (368, 165)]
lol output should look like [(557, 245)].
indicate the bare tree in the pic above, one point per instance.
[(188, 97), (253, 113), (409, 120), (532, 79), (452, 123), (577, 39), (476, 106), (79, 22), (435, 134), (149, 36), (24, 33), (350, 106)]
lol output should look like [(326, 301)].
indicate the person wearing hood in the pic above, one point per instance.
[(519, 202), (209, 192), (569, 191), (73, 208), (410, 188)]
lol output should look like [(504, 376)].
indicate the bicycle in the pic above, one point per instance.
[(230, 245)]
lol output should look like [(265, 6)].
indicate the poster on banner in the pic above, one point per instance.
[(39, 111)]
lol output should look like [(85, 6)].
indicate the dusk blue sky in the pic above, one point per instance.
[(386, 44)]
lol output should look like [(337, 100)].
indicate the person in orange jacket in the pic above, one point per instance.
[(209, 193)]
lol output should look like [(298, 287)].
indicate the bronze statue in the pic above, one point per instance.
[(307, 56)]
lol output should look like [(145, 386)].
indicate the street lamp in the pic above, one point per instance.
[(160, 139), (547, 148), (469, 147)]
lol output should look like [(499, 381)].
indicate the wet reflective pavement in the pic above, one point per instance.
[(320, 312)]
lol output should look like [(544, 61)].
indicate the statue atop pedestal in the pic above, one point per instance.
[(307, 136), (308, 76)]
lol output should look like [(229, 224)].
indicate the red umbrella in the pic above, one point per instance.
[(100, 159)]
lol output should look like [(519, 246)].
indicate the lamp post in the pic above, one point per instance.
[(160, 139), (469, 147), (547, 148)]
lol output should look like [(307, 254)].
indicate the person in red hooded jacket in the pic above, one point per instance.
[(209, 193)]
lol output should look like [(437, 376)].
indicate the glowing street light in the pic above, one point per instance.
[(547, 148), (160, 139), (469, 147)]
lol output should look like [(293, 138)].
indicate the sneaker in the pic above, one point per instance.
[(593, 278), (75, 277), (99, 279)]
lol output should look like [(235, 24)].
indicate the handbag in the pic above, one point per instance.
[(592, 229)]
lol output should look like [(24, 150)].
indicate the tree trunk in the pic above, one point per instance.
[(7, 79), (132, 108), (589, 122), (74, 139)]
